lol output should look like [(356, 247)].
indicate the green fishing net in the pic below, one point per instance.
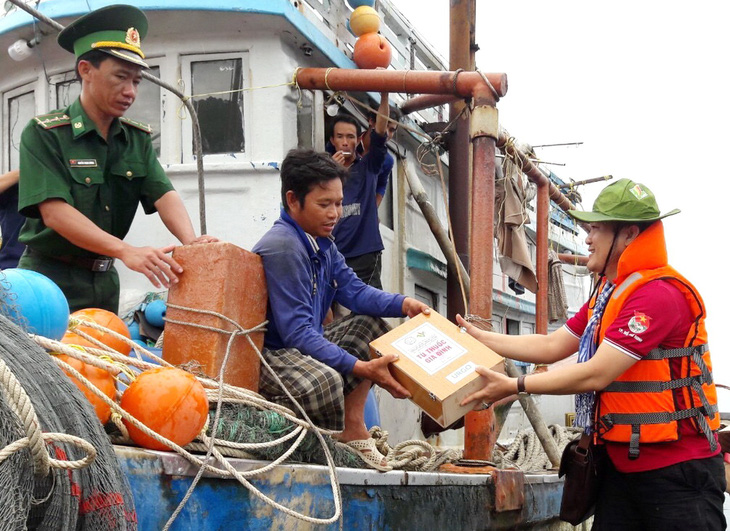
[(94, 498), (239, 423)]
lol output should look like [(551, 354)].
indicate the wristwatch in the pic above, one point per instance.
[(521, 385)]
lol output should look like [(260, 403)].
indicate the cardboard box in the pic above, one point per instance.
[(436, 364)]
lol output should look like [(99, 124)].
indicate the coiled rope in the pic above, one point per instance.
[(526, 452), (35, 440), (408, 455), (413, 454), (224, 391)]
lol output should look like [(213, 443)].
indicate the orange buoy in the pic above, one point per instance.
[(364, 20), (169, 401), (69, 338), (372, 50), (108, 320), (100, 378)]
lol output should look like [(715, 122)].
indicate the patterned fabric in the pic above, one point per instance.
[(586, 350), (318, 388)]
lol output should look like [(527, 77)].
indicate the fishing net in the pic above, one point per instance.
[(8, 302), (239, 423), (96, 497)]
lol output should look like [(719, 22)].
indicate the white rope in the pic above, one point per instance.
[(413, 454), (229, 393), (86, 446), (35, 439), (526, 452), (336, 493)]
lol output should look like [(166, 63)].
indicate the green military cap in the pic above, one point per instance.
[(117, 30), (623, 200)]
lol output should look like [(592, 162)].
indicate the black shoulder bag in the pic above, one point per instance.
[(581, 464)]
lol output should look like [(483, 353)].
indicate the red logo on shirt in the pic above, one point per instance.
[(639, 323)]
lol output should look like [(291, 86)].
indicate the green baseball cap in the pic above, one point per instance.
[(623, 200), (117, 30)]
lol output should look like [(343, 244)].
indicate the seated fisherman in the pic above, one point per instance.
[(327, 370)]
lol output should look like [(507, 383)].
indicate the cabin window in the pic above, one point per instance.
[(68, 88), (513, 327), (217, 85), (310, 121), (305, 121), (426, 296), (20, 108), (146, 107)]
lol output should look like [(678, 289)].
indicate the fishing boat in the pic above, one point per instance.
[(265, 76)]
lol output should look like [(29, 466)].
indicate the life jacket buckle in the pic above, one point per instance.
[(604, 424)]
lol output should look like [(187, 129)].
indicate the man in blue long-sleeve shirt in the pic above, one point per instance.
[(358, 233), (327, 370)]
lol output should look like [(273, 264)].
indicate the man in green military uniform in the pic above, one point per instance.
[(86, 168)]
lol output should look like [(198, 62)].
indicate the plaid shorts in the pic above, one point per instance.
[(318, 388)]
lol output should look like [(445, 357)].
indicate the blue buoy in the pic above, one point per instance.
[(133, 328), (155, 313), (372, 415), (34, 302)]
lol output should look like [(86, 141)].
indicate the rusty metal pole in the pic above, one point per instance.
[(461, 57), (573, 259), (480, 434), (543, 213), (426, 101), (406, 81)]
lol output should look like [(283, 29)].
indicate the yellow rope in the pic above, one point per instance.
[(326, 75), (247, 89), (182, 115), (451, 235)]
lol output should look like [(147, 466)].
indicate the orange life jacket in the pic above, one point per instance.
[(640, 406)]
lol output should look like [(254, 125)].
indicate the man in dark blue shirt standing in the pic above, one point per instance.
[(327, 370), (358, 232)]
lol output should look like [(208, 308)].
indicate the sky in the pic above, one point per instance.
[(645, 86)]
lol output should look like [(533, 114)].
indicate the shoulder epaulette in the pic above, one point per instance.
[(51, 120), (139, 125)]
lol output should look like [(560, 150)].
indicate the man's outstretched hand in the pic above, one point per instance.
[(378, 372), (412, 307)]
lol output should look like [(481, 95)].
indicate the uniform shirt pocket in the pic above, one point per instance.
[(86, 183), (129, 169)]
